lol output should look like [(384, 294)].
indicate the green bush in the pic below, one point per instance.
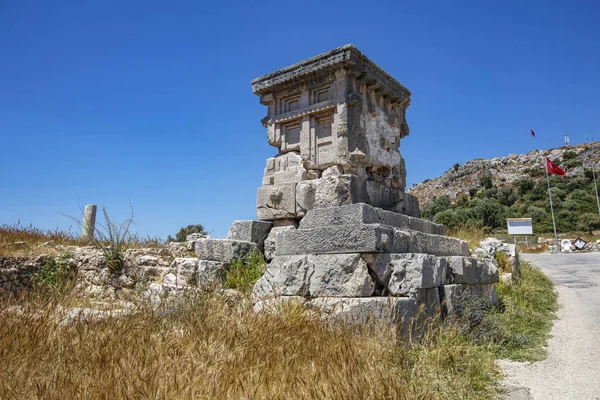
[(447, 218), (589, 222), (56, 273), (185, 231), (524, 186), (486, 181), (506, 196), (569, 155), (243, 274), (439, 204)]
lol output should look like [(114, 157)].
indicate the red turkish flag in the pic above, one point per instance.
[(532, 133), (553, 168)]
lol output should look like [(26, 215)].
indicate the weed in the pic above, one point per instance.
[(504, 262), (472, 235), (243, 274), (56, 273)]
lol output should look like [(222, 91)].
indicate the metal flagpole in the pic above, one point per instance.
[(596, 187), (551, 207)]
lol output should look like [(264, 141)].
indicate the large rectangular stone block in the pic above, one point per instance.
[(345, 275), (362, 213), (437, 245), (406, 274), (452, 294), (250, 231), (398, 310), (357, 310), (223, 250), (472, 271), (342, 239), (276, 201), (367, 238)]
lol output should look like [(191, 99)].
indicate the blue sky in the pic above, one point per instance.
[(150, 102)]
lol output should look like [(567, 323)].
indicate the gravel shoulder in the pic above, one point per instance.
[(572, 368)]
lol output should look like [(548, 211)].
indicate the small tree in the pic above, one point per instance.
[(486, 181), (589, 222), (185, 231)]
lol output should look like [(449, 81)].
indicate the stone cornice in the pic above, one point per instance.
[(346, 56)]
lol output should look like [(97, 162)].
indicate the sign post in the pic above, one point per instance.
[(520, 226)]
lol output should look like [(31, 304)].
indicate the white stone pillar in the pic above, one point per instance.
[(89, 222)]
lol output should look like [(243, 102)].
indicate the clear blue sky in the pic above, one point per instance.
[(108, 102)]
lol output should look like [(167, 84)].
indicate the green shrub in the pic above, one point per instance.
[(56, 273), (506, 196), (439, 204), (569, 155), (524, 186), (589, 222), (486, 181), (447, 218), (185, 231), (243, 274), (504, 262)]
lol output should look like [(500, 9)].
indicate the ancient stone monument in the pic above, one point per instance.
[(346, 238), (336, 120), (338, 230)]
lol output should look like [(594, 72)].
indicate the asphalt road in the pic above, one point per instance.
[(572, 368)]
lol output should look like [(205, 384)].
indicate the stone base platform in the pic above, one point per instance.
[(397, 310)]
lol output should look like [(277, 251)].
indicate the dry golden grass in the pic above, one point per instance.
[(206, 348), (471, 235), (28, 241)]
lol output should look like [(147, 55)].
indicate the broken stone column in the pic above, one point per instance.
[(88, 225), (346, 238)]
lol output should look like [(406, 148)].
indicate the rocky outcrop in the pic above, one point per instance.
[(505, 171)]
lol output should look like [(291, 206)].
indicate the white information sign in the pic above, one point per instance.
[(519, 226)]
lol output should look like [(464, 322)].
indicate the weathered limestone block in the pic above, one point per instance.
[(288, 167), (337, 275), (185, 270), (250, 231), (366, 238), (210, 271), (405, 274), (372, 238), (436, 244), (399, 310), (361, 213), (269, 245), (430, 298), (358, 310), (223, 250), (472, 271), (276, 201), (451, 294)]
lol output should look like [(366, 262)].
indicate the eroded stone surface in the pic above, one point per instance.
[(338, 275), (472, 271), (223, 250), (250, 231)]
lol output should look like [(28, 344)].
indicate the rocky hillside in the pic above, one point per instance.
[(500, 172)]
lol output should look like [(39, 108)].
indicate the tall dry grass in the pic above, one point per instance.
[(28, 241), (472, 235), (208, 348)]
